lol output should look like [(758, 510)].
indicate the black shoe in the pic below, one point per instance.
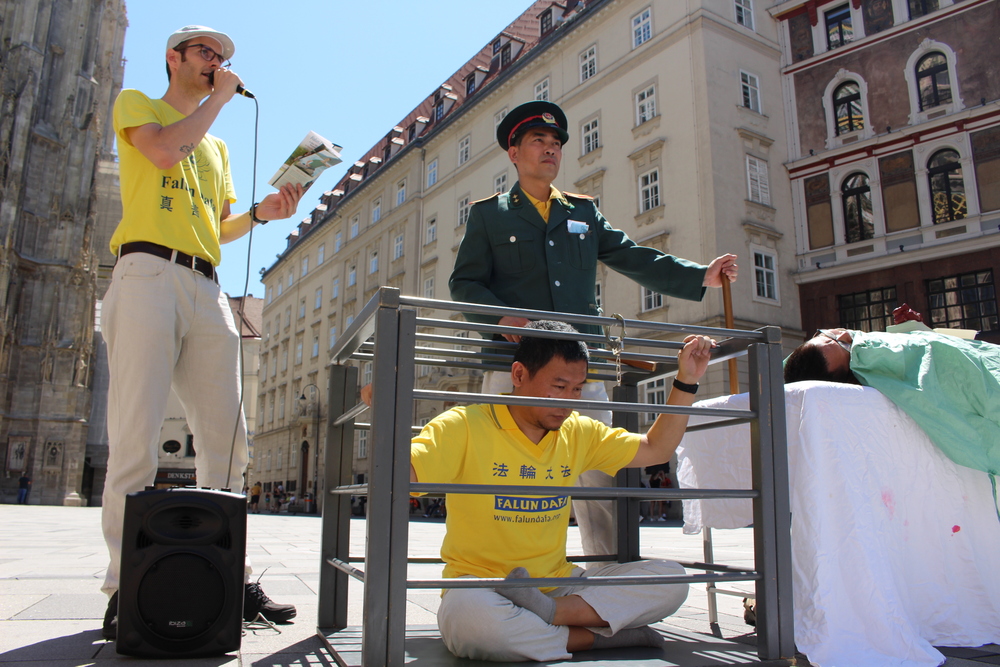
[(110, 629), (255, 601)]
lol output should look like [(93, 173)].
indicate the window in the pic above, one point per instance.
[(284, 357), (765, 276), (439, 109), (397, 247), (355, 221), (542, 90), (751, 91), (291, 278), (333, 336), (270, 418), (920, 7), (366, 373), (744, 13), (588, 63), (335, 291), (298, 352), (642, 27), (757, 181), (645, 105), (500, 183), (545, 21), (302, 308), (319, 298), (870, 310), (654, 392), (279, 459), (505, 55), (430, 231), (315, 350), (352, 276), (839, 30), (338, 242), (965, 301), (470, 84), (376, 210), (432, 172), (373, 262), (362, 444), (429, 287), (349, 321), (498, 118), (649, 190), (321, 254), (400, 193), (464, 149), (463, 210), (598, 295), (651, 300), (847, 108), (270, 293), (305, 266), (858, 216), (591, 136), (947, 186), (933, 82)]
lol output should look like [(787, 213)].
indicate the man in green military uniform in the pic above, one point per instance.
[(537, 248)]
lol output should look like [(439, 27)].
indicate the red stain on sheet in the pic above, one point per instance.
[(890, 502), (955, 529)]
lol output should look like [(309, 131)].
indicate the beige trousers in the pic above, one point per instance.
[(167, 327), (481, 624)]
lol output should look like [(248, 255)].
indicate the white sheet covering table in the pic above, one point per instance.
[(895, 548)]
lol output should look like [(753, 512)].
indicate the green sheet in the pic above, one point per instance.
[(949, 386)]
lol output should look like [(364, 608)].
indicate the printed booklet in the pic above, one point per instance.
[(312, 156)]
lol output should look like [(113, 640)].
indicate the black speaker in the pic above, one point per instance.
[(181, 588)]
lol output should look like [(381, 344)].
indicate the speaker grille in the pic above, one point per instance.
[(181, 596), (185, 521)]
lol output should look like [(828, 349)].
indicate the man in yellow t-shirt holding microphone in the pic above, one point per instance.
[(166, 322)]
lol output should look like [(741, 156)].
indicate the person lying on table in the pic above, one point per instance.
[(518, 535)]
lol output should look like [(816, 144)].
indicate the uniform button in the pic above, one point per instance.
[(551, 242), (513, 238), (557, 283), (583, 236)]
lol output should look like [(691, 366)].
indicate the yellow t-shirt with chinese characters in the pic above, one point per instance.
[(545, 207), (489, 535), (179, 207)]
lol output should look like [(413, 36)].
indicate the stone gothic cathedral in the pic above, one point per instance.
[(60, 70)]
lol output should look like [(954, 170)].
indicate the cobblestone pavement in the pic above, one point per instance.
[(52, 563)]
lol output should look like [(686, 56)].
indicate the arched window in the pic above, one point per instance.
[(933, 82), (858, 218), (947, 187), (847, 108)]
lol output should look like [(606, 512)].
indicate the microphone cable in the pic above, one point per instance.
[(242, 308)]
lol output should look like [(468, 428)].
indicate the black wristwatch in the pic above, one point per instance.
[(253, 216), (685, 387)]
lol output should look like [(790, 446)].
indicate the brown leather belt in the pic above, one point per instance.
[(202, 266)]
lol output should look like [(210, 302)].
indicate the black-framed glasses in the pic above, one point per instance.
[(834, 337), (207, 54)]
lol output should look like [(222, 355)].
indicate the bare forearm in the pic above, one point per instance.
[(234, 227), (169, 144), (668, 430)]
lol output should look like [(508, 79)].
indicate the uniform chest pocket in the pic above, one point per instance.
[(515, 254), (582, 249)]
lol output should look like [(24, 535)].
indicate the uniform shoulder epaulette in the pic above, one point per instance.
[(578, 196), (485, 199)]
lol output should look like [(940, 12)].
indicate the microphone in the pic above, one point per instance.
[(240, 90)]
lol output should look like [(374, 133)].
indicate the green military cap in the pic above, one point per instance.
[(529, 115)]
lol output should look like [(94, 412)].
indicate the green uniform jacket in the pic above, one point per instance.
[(511, 257)]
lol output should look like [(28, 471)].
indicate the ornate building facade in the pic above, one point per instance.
[(894, 135), (60, 70)]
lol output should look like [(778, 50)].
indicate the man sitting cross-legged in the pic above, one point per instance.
[(521, 535)]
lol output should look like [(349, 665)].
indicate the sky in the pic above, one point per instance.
[(347, 70)]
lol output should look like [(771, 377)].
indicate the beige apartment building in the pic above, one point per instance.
[(677, 130)]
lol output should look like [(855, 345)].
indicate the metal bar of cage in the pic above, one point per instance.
[(392, 320)]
